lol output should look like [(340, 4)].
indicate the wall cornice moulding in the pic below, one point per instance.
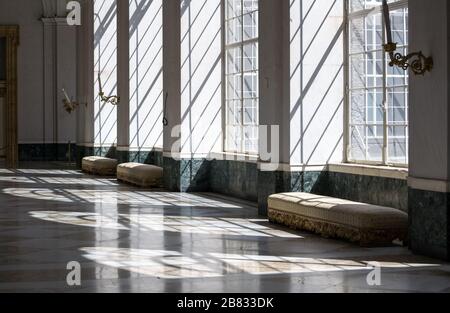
[(60, 21), (54, 8)]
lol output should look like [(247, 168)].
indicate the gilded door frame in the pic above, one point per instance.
[(11, 33)]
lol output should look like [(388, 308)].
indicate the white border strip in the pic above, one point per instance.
[(440, 186), (368, 170)]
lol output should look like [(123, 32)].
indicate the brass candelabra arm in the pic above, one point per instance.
[(416, 61), (114, 100)]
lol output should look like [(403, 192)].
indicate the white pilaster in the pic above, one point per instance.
[(274, 44), (60, 71), (123, 83), (171, 72)]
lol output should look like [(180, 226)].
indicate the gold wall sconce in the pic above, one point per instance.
[(114, 100), (416, 61), (69, 105)]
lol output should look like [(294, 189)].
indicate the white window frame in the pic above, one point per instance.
[(225, 47), (400, 4)]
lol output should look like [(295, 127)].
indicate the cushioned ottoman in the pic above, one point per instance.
[(141, 175), (99, 166), (368, 225)]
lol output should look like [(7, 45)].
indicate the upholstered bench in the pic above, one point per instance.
[(99, 166), (368, 225), (141, 175)]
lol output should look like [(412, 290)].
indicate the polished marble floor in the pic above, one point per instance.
[(136, 240)]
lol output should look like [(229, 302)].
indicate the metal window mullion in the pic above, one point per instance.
[(378, 9), (241, 15), (244, 42), (366, 129), (225, 107), (374, 50), (385, 98), (242, 76), (406, 89), (377, 88), (347, 78)]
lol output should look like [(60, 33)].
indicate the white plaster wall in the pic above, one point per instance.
[(146, 75), (105, 62), (317, 76), (66, 74), (201, 76), (428, 98), (27, 14), (41, 119)]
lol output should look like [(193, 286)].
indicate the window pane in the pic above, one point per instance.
[(235, 112), (233, 8), (357, 35), (251, 57), (250, 112), (234, 30), (358, 65), (234, 138), (250, 6), (250, 139), (398, 144), (398, 125), (367, 143), (234, 86), (234, 61), (250, 26), (250, 85)]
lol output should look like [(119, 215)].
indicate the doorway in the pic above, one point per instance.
[(9, 41)]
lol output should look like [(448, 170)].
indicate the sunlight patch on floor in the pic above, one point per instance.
[(161, 223), (175, 265), (136, 197)]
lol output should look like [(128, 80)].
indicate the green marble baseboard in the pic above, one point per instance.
[(429, 214)]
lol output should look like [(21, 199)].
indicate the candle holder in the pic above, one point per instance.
[(114, 100), (416, 61), (69, 105)]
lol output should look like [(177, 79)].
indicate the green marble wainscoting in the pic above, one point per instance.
[(187, 175), (244, 180), (429, 223), (151, 157), (369, 189), (171, 178), (47, 152), (235, 178)]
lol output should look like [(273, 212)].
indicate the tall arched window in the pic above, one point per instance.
[(377, 93)]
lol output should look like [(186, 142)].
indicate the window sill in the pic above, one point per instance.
[(232, 156), (370, 170)]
